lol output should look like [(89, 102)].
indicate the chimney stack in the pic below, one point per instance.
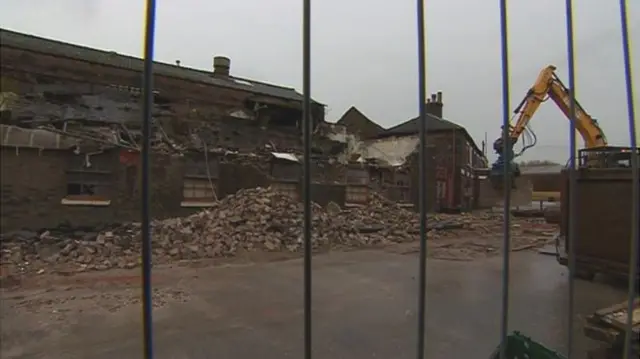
[(434, 104), (221, 66)]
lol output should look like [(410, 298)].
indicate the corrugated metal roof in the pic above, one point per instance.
[(110, 58), (285, 156)]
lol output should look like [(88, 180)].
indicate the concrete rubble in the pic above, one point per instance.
[(253, 220)]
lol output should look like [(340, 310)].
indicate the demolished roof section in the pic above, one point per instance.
[(285, 156), (384, 152)]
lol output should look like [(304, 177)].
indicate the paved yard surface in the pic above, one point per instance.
[(364, 307)]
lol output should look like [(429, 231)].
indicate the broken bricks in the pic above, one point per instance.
[(259, 219)]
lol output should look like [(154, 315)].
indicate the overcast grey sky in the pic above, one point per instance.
[(364, 52)]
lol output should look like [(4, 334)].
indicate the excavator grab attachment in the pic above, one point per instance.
[(547, 86)]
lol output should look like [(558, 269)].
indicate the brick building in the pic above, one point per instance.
[(452, 155), (359, 124), (71, 125), (52, 79)]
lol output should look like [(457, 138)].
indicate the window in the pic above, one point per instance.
[(198, 192), (441, 190), (200, 181), (87, 188), (402, 179), (356, 195)]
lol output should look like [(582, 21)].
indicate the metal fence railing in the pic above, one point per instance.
[(421, 303)]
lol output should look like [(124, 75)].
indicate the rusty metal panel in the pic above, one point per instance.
[(603, 197)]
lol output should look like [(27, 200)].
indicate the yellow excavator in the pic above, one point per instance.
[(547, 86)]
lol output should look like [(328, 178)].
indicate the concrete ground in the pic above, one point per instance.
[(364, 307)]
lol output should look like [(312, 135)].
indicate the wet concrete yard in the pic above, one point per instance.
[(364, 307)]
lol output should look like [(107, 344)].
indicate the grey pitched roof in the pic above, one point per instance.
[(110, 58), (434, 124), (356, 110), (413, 126)]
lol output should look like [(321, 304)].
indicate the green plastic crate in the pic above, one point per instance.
[(522, 347)]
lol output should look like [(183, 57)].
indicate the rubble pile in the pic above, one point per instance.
[(259, 219), (253, 219)]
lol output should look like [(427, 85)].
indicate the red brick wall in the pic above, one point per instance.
[(34, 183)]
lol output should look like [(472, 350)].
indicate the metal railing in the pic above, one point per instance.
[(506, 108)]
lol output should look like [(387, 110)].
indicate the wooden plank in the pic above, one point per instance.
[(616, 315)]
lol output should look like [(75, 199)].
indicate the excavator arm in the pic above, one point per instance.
[(547, 85)]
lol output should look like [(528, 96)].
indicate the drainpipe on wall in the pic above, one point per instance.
[(454, 174), (87, 162)]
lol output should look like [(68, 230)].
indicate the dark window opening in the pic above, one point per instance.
[(80, 189), (88, 186)]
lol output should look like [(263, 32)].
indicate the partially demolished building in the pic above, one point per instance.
[(391, 157), (71, 120), (70, 132)]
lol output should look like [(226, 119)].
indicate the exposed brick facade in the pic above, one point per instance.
[(450, 170), (55, 86), (34, 183)]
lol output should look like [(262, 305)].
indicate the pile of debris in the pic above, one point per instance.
[(253, 219), (259, 219)]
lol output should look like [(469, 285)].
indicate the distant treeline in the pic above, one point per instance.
[(534, 163)]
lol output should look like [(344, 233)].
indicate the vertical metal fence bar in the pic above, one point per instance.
[(147, 89), (635, 192), (572, 175), (422, 201), (507, 154), (306, 196)]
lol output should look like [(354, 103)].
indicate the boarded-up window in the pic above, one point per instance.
[(198, 190), (357, 194)]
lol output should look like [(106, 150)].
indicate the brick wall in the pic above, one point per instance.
[(358, 124), (34, 182), (545, 182), (449, 177)]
